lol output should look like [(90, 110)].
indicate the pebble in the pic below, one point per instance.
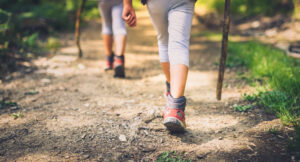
[(85, 157), (122, 138), (81, 66), (45, 80)]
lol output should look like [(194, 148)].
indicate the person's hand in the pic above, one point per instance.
[(129, 15)]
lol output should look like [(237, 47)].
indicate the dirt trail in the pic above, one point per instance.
[(82, 113)]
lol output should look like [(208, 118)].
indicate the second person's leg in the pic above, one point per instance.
[(107, 33), (120, 34)]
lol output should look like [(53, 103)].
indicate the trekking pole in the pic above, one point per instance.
[(77, 27), (222, 65)]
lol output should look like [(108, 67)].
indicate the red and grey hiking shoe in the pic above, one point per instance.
[(119, 65), (174, 118), (109, 62)]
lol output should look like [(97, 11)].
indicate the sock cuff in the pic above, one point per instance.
[(111, 57), (120, 57), (177, 103), (168, 86)]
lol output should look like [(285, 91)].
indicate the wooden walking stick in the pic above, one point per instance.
[(77, 27), (222, 65)]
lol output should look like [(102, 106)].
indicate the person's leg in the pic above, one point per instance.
[(119, 29), (166, 69), (108, 43), (180, 21), (120, 34), (105, 11), (158, 10)]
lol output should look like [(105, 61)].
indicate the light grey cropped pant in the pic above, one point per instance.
[(112, 22), (172, 20)]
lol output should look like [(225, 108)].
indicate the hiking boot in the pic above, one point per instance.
[(109, 62), (174, 118), (119, 65)]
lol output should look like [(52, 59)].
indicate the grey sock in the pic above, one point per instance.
[(177, 103), (168, 86)]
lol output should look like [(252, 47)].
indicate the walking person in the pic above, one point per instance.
[(172, 20), (113, 31)]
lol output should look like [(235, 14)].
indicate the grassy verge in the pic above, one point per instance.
[(278, 77)]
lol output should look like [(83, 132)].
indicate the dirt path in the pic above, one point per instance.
[(76, 112)]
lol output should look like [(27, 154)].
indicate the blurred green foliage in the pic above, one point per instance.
[(252, 7), (24, 22)]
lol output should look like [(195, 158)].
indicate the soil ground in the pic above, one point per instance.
[(74, 111)]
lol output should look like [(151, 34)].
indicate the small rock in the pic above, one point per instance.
[(67, 157), (226, 104), (148, 149), (293, 158), (271, 32), (279, 136), (87, 105), (62, 88), (83, 136), (255, 24), (99, 103), (122, 138), (81, 66), (14, 108), (85, 157), (45, 80), (220, 138)]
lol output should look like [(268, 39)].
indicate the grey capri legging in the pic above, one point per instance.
[(172, 20), (111, 14)]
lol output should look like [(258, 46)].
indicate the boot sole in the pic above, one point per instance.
[(173, 125), (119, 72)]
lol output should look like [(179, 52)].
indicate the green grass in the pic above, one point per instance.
[(172, 157), (4, 104), (279, 91), (242, 108), (273, 130), (276, 71), (17, 115), (267, 63)]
